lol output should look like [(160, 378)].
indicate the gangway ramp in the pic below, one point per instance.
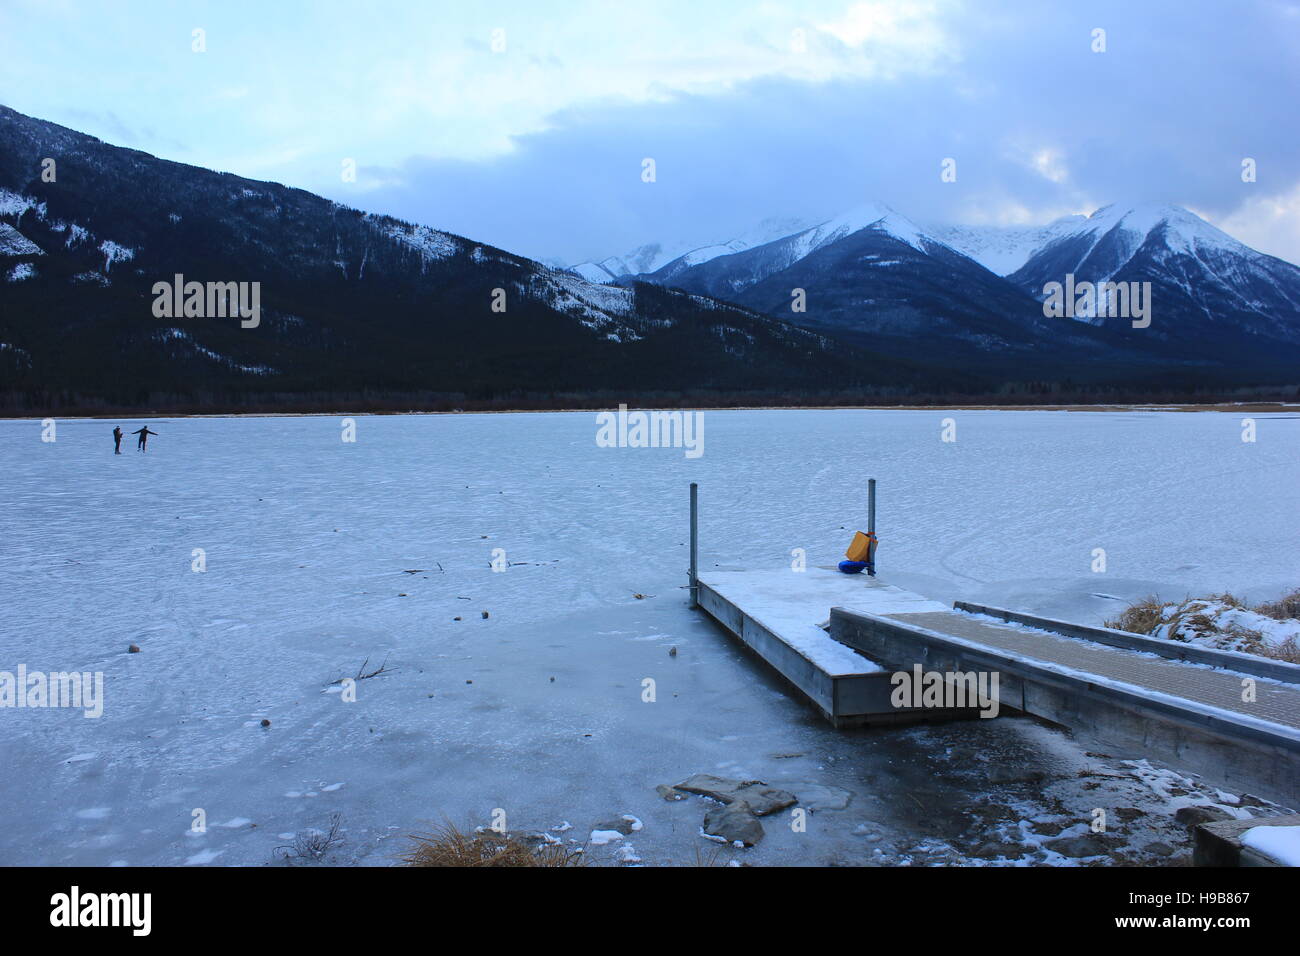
[(841, 640), (1234, 727)]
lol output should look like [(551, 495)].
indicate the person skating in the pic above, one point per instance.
[(117, 439), (144, 434)]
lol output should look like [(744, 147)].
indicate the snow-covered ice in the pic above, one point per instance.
[(309, 544), (1281, 843)]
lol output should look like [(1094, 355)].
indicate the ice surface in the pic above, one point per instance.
[(308, 541)]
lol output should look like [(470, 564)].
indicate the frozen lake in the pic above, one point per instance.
[(307, 540)]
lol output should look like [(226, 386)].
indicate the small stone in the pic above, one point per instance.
[(485, 615), (758, 796), (266, 722), (672, 652), (710, 785), (993, 850), (734, 823), (455, 619), (1006, 773), (669, 793), (992, 813), (401, 595), (539, 839), (814, 797), (618, 824), (1195, 816), (469, 682), (639, 597), (552, 680), (1076, 847), (133, 649), (1049, 828), (1160, 848)]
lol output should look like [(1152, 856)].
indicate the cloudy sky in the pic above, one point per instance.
[(526, 124)]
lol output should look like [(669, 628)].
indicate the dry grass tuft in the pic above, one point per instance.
[(1198, 620), (1288, 651), (448, 845), (1142, 617), (714, 856), (1283, 608), (313, 844)]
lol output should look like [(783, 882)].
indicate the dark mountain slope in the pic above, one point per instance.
[(351, 303)]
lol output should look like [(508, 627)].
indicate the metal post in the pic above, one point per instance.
[(871, 506), (695, 544), (871, 526)]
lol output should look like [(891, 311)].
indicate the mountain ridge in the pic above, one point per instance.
[(362, 306), (352, 302), (1221, 305)]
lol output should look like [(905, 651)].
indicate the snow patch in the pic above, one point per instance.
[(429, 243), (1216, 624), (180, 335), (14, 243), (16, 204), (1281, 843), (113, 252)]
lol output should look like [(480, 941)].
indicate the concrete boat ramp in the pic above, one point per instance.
[(841, 639)]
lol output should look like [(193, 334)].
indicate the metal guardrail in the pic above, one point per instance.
[(1174, 650)]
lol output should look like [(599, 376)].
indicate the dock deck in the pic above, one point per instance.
[(782, 615), (839, 639)]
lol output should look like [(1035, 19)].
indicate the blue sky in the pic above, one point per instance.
[(525, 124)]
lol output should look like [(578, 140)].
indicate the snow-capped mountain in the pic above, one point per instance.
[(1002, 249), (351, 303), (674, 257), (729, 274), (644, 258), (358, 304), (1203, 281), (874, 276)]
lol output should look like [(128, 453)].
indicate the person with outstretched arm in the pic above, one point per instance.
[(144, 434), (117, 439)]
